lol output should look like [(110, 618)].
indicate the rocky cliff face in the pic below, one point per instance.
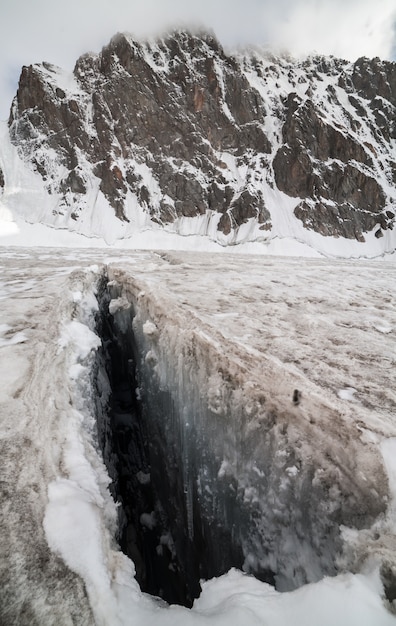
[(176, 133)]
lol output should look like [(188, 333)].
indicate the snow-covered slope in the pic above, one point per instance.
[(175, 136)]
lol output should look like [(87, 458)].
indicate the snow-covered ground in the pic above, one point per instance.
[(326, 328)]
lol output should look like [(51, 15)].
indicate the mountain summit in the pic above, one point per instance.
[(175, 134)]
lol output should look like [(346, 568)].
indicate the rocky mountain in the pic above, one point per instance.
[(178, 135)]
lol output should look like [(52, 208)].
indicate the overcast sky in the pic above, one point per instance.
[(59, 31)]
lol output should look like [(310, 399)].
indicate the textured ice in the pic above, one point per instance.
[(248, 331)]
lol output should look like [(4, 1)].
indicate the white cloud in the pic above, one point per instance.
[(344, 28), (59, 31)]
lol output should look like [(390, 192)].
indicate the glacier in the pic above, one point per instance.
[(266, 390)]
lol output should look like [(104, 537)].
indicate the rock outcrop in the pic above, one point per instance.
[(176, 128)]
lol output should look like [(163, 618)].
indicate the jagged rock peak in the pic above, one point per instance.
[(124, 45), (174, 128)]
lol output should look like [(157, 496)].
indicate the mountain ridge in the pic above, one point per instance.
[(175, 134)]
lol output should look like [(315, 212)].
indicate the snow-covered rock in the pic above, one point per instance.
[(176, 135)]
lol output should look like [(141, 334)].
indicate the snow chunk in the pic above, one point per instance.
[(143, 478), (82, 339), (382, 326), (149, 328), (119, 304), (347, 394), (75, 371), (292, 471), (344, 600), (148, 520), (225, 469)]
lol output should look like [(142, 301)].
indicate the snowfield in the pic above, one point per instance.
[(322, 328)]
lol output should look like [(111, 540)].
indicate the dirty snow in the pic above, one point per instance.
[(310, 318)]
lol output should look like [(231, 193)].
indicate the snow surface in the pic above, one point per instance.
[(312, 318), (17, 231)]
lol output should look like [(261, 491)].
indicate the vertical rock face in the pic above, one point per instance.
[(176, 129)]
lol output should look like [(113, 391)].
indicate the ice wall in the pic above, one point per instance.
[(244, 478), (59, 561), (127, 449)]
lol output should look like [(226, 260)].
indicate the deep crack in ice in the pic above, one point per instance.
[(162, 524)]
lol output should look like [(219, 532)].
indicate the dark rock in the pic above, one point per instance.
[(296, 397), (243, 208), (332, 220), (293, 169), (373, 77), (388, 578), (74, 182), (317, 161)]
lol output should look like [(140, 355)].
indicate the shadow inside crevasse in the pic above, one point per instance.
[(148, 479)]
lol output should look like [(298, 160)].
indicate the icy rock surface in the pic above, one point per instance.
[(177, 135), (229, 340)]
